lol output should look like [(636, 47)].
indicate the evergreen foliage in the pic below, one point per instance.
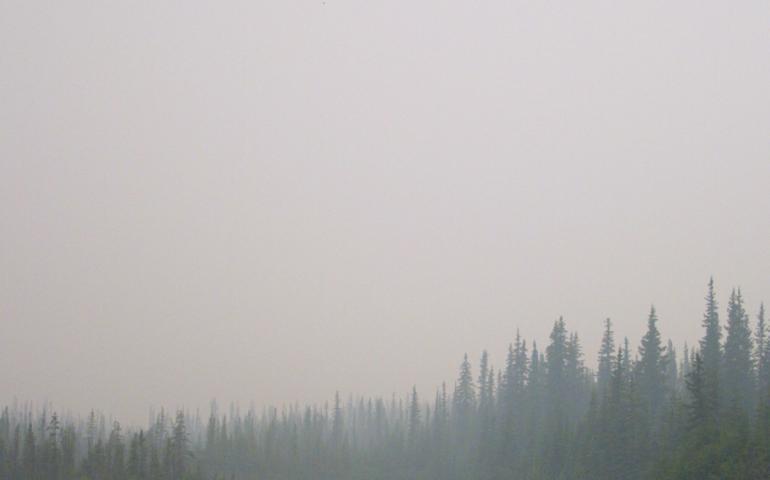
[(543, 416)]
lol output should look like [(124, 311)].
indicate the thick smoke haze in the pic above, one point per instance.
[(271, 201)]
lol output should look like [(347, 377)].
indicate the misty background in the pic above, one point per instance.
[(271, 201)]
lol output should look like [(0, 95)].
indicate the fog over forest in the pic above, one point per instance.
[(642, 413), (308, 212)]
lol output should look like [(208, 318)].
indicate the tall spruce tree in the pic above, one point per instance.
[(484, 394), (738, 371), (29, 459), (520, 367), (606, 354), (652, 368), (710, 346), (464, 398), (51, 449), (556, 357), (414, 416), (617, 428), (337, 420), (178, 445), (116, 453), (535, 401), (556, 427), (507, 386)]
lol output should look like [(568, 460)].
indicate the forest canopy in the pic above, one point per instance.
[(648, 410)]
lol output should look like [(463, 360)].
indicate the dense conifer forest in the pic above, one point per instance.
[(648, 410)]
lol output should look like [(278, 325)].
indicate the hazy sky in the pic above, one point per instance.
[(270, 201)]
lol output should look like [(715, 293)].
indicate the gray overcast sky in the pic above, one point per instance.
[(269, 201)]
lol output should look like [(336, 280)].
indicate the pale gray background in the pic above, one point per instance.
[(269, 201)]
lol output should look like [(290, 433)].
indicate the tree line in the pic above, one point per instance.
[(645, 412)]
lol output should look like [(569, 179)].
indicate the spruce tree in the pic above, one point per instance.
[(710, 346), (616, 421), (51, 449), (29, 457), (91, 431), (414, 417), (507, 385), (211, 430), (465, 393), (606, 353), (512, 398), (556, 357), (652, 368), (484, 397), (738, 370), (177, 449), (557, 388), (520, 368), (533, 413), (337, 421), (626, 358), (68, 452), (116, 453)]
